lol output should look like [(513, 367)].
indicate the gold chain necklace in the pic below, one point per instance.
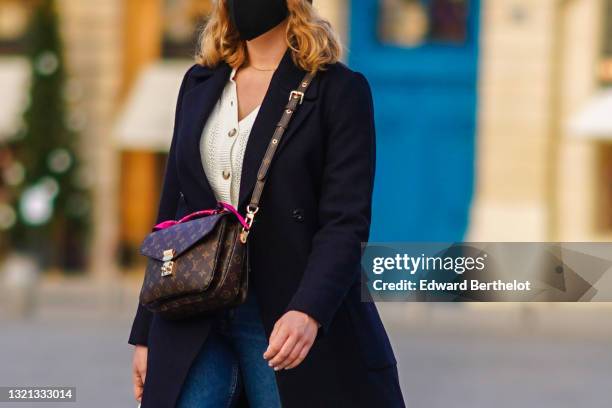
[(261, 69)]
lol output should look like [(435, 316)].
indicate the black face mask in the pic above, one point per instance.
[(253, 18)]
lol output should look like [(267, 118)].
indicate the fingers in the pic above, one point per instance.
[(293, 355), (277, 340), (279, 360), (291, 340), (301, 355), (138, 385), (138, 393), (275, 330), (139, 372)]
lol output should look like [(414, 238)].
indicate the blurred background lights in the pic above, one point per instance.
[(51, 186), (36, 203), (7, 216), (47, 63), (14, 174), (59, 160)]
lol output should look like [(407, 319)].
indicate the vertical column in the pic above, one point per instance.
[(93, 51), (141, 37), (139, 179), (516, 120), (579, 181)]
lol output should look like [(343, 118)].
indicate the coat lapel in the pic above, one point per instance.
[(286, 78), (198, 104)]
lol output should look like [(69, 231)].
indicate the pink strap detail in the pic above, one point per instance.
[(222, 207), (231, 209)]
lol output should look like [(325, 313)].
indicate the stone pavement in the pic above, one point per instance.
[(449, 356)]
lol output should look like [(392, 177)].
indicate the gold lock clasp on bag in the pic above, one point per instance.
[(168, 266)]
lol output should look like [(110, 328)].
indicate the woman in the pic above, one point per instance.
[(303, 338)]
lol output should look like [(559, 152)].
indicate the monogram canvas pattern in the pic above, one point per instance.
[(179, 237), (209, 270)]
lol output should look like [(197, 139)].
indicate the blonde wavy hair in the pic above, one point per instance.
[(312, 41)]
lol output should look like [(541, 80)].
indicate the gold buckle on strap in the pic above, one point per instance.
[(297, 94)]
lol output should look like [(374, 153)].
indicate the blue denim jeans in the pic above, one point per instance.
[(232, 356)]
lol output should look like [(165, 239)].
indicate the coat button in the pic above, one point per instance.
[(298, 215), (232, 132), (226, 174)]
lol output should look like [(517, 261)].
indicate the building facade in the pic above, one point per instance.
[(472, 101)]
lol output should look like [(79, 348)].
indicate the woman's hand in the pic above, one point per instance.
[(139, 370), (291, 340)]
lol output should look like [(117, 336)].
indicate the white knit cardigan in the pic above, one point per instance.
[(223, 143)]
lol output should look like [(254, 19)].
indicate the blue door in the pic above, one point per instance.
[(421, 59)]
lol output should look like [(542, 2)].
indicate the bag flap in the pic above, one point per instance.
[(179, 237)]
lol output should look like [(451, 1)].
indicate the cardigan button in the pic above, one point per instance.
[(232, 132), (298, 215), (226, 174)]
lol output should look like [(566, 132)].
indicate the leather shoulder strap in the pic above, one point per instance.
[(295, 100)]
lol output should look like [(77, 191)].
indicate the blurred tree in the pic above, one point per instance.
[(45, 185)]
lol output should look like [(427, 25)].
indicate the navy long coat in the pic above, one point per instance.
[(305, 244)]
